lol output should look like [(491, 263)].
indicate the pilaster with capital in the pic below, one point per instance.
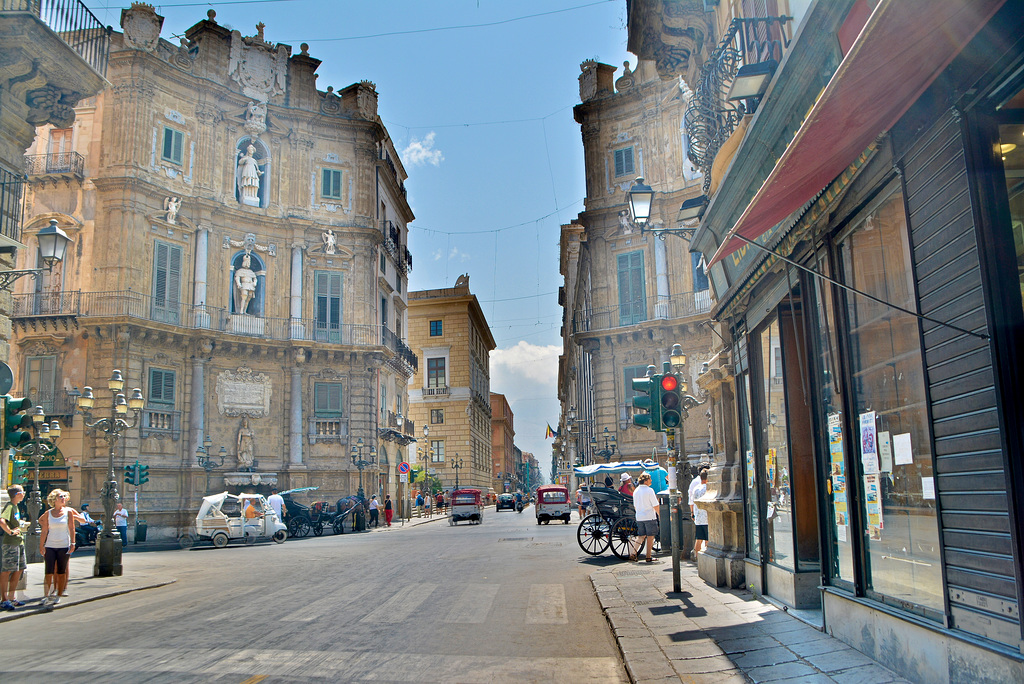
[(721, 564), (295, 410)]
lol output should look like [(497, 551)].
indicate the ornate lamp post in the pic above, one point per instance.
[(42, 445), (609, 445), (457, 466), (110, 428), (205, 459), (359, 462)]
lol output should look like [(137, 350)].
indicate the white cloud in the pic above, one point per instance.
[(422, 151), (525, 363), (454, 255)]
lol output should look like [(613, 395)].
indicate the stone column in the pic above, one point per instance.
[(721, 564), (197, 415), (202, 317), (295, 414), (661, 272), (298, 332)]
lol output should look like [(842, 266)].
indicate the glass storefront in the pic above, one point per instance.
[(1011, 148), (775, 464), (890, 418), (750, 463)]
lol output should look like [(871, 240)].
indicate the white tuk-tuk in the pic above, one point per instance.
[(221, 519)]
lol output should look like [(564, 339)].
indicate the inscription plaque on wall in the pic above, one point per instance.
[(243, 393)]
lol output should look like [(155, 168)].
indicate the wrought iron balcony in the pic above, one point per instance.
[(711, 117), (682, 305), (74, 23), (56, 164), (12, 187)]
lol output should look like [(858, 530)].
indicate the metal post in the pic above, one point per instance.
[(675, 527)]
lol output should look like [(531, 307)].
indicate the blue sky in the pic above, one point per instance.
[(478, 95)]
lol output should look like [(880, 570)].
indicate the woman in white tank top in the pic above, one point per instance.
[(56, 543)]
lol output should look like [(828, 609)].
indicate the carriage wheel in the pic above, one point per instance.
[(592, 534), (299, 527), (339, 526), (318, 529), (623, 532)]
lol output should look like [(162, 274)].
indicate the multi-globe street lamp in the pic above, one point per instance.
[(204, 458), (359, 462), (457, 466), (609, 445), (110, 428), (41, 446)]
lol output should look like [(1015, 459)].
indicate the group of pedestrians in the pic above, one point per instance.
[(375, 506), (56, 544)]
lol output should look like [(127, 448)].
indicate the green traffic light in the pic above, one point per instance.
[(12, 434)]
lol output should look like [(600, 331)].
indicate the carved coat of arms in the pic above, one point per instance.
[(141, 26), (257, 66)]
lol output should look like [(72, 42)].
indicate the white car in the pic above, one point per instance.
[(220, 520)]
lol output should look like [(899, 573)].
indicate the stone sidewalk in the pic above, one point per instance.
[(704, 634), (82, 586)]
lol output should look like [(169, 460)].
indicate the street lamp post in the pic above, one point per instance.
[(111, 428), (609, 446), (359, 462), (42, 445), (205, 459), (457, 466)]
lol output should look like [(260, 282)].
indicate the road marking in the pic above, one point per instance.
[(329, 604), (403, 604), (547, 605), (474, 604), (255, 679)]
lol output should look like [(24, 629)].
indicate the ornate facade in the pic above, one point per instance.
[(628, 294), (240, 253)]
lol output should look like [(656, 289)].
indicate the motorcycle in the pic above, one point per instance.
[(519, 506)]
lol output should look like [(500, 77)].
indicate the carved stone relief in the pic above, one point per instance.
[(259, 68), (243, 393), (141, 26)]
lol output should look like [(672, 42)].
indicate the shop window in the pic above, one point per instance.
[(751, 479), (894, 467), (776, 469), (1011, 147)]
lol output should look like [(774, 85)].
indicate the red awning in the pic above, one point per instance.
[(903, 47)]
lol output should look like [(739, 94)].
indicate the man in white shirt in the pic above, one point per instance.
[(700, 516), (374, 512), (645, 501), (276, 502)]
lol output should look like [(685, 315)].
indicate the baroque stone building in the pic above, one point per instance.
[(628, 294), (450, 394), (239, 253)]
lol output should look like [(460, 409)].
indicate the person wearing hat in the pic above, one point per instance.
[(627, 484)]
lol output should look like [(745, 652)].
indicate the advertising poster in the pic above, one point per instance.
[(885, 451), (873, 505), (750, 470), (770, 467), (904, 452), (838, 475), (868, 443)]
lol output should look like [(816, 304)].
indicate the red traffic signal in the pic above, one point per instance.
[(669, 383)]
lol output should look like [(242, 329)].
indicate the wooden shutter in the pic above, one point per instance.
[(161, 386), (327, 398), (632, 297), (328, 302), (166, 282)]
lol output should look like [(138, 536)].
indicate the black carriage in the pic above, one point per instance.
[(610, 523)]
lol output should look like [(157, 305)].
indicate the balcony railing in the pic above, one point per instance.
[(129, 304), (56, 164), (654, 308), (56, 403), (327, 429), (435, 391), (160, 423), (12, 186), (74, 23), (710, 117)]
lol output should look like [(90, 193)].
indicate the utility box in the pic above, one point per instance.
[(140, 531), (684, 526)]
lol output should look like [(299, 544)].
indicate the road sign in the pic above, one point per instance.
[(403, 477), (403, 468)]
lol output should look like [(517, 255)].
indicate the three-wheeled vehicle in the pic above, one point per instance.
[(553, 503), (466, 504), (221, 520)]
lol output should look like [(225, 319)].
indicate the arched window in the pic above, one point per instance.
[(248, 284), (252, 172)]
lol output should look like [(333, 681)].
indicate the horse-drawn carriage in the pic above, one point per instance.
[(319, 515), (611, 519)]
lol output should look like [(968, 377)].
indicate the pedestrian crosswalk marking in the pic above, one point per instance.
[(547, 605), (474, 605), (328, 605), (403, 604)]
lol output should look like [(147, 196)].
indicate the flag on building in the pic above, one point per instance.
[(550, 432)]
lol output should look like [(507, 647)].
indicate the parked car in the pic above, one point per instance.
[(505, 501)]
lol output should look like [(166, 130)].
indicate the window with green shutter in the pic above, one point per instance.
[(327, 399), (628, 373), (174, 146), (330, 183), (328, 305), (624, 162), (161, 386), (632, 294), (166, 305)]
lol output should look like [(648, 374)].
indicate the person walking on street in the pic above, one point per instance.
[(700, 516), (56, 544), (645, 502), (583, 501), (440, 502), (389, 510), (13, 562), (121, 523), (419, 503), (374, 511)]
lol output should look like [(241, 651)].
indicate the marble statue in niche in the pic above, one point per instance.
[(330, 242), (171, 206), (248, 176), (246, 444), (245, 285)]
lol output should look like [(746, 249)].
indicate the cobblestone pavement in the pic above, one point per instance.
[(706, 634)]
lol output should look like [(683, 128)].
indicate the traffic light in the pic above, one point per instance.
[(647, 403), (671, 401), (14, 420), (20, 471), (143, 473), (129, 474)]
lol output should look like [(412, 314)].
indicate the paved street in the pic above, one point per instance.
[(507, 600)]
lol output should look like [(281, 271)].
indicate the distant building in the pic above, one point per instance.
[(239, 253), (450, 393), (502, 443)]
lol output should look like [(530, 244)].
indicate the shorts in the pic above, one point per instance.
[(55, 561), (701, 532), (14, 558), (647, 528)]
